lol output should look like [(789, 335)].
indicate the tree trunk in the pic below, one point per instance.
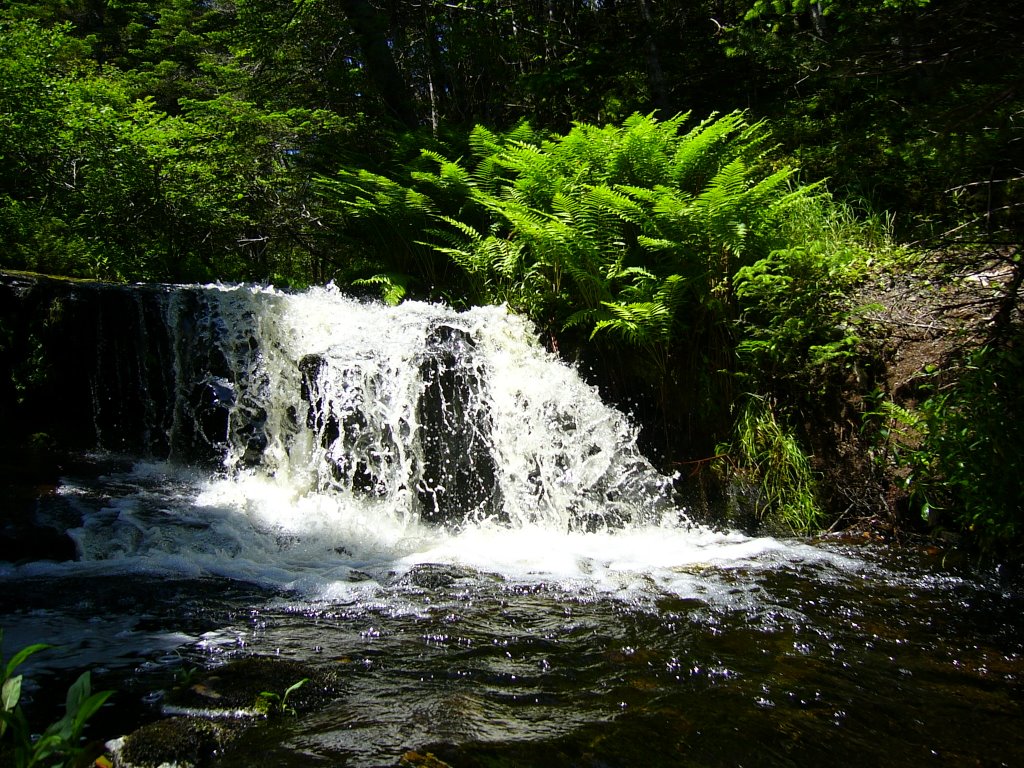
[(655, 74), (372, 32)]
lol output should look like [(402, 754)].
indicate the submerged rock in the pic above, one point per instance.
[(237, 688), (413, 759), (207, 715), (177, 742), (436, 576)]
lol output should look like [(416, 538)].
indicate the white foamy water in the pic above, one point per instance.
[(353, 442), (324, 546)]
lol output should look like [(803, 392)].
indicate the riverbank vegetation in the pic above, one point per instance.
[(786, 236)]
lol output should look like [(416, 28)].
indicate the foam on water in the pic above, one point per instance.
[(360, 441), (321, 546)]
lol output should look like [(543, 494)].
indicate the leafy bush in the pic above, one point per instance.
[(59, 745), (690, 254), (960, 451)]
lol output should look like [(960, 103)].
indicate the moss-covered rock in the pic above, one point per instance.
[(181, 742), (239, 687)]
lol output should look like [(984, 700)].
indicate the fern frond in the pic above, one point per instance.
[(726, 188), (657, 244), (640, 323), (616, 202), (484, 142), (450, 175), (503, 255), (470, 232), (700, 153), (523, 133), (393, 285), (581, 317)]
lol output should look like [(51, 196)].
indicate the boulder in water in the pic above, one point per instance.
[(458, 477), (181, 742)]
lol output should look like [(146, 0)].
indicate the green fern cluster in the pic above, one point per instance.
[(687, 248), (631, 231)]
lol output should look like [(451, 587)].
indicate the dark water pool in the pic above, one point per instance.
[(494, 647), (914, 667)]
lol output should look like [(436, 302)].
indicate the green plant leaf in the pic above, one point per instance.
[(87, 709), (23, 654), (295, 686), (11, 693)]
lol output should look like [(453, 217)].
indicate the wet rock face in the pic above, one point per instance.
[(211, 402), (132, 369), (345, 435), (458, 476), (453, 471), (83, 362), (28, 542)]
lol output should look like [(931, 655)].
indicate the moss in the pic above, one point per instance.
[(238, 685), (181, 741)]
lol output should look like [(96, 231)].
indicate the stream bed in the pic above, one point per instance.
[(664, 645)]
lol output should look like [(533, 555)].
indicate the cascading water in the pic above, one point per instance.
[(425, 508), (311, 435), (293, 438), (420, 411)]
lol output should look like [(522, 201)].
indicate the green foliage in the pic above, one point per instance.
[(685, 249), (797, 322), (909, 104), (271, 703), (393, 287), (98, 183), (588, 227), (59, 745), (960, 450), (768, 455)]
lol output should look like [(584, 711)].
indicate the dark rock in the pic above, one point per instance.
[(88, 363), (458, 477), (350, 465), (211, 402), (237, 686), (436, 576), (181, 741), (26, 543)]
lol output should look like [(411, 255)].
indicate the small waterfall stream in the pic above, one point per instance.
[(427, 413), (427, 508), (294, 438)]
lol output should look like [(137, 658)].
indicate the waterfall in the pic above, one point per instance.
[(449, 417), (320, 444), (426, 414)]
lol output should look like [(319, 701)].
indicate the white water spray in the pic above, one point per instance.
[(324, 445), (422, 412)]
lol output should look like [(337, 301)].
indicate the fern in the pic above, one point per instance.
[(393, 286), (704, 149)]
